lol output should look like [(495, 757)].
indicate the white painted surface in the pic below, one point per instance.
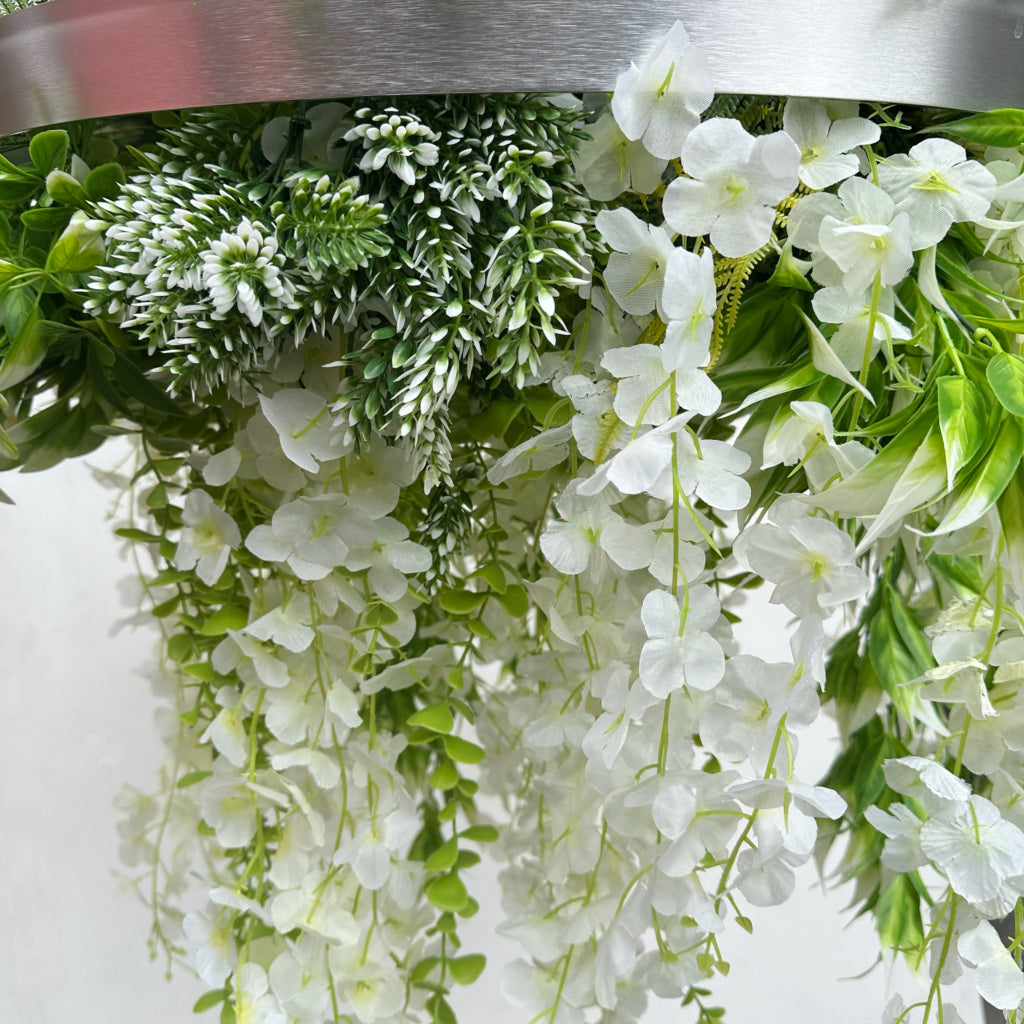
[(77, 725)]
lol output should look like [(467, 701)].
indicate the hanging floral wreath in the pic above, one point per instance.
[(462, 427)]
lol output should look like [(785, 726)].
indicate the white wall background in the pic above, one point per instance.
[(77, 724)]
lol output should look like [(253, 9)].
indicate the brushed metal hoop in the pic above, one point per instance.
[(65, 60)]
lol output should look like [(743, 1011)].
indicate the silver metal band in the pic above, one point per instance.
[(71, 59)]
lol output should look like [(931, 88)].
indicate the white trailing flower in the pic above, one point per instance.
[(689, 300), (609, 163), (825, 144), (680, 651), (207, 539), (734, 184), (660, 101), (635, 274), (936, 186)]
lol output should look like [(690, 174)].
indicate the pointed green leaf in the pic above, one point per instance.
[(898, 915), (63, 188), (210, 999), (1004, 128), (480, 834), (190, 779), (985, 485), (466, 969), (1005, 373), (77, 249), (49, 150), (26, 351), (438, 718), (961, 421)]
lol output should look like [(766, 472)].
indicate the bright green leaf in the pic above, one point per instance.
[(1005, 373), (438, 718), (212, 998), (447, 892), (224, 619), (480, 834), (190, 779), (63, 188), (26, 351), (898, 914), (961, 422), (463, 751), (466, 969), (444, 776), (444, 857), (1004, 128), (985, 485)]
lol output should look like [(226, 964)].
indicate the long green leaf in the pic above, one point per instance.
[(27, 350), (989, 480), (961, 422), (1004, 127), (1005, 373)]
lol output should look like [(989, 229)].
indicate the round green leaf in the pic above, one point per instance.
[(466, 969), (447, 893), (438, 718), (463, 751)]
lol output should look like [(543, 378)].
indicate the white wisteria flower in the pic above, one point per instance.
[(304, 427), (635, 274), (680, 651), (859, 232), (854, 314), (937, 186), (810, 560), (734, 184), (689, 300), (660, 101), (998, 979), (825, 145), (207, 539), (609, 163)]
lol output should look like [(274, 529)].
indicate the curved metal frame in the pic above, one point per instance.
[(71, 59)]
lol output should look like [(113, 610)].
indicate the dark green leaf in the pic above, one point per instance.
[(46, 218), (105, 181), (134, 384), (26, 351)]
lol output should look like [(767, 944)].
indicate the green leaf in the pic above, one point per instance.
[(190, 779), (985, 485), (49, 150), (961, 421), (444, 776), (210, 999), (227, 1013), (105, 181), (1003, 127), (898, 914), (224, 619), (63, 188), (438, 718), (77, 249), (493, 573), (463, 751), (129, 533), (461, 602), (481, 834), (131, 380), (1005, 373), (893, 663), (444, 857), (466, 969), (447, 893), (27, 350), (515, 601), (46, 218), (909, 631), (179, 647)]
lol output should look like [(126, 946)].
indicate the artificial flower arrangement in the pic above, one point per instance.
[(463, 425)]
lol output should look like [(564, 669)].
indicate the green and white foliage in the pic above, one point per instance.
[(463, 425)]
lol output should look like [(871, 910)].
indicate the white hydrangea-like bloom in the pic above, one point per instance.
[(609, 163), (680, 651), (635, 274), (734, 184), (242, 269), (660, 100), (208, 537), (936, 186), (826, 144)]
